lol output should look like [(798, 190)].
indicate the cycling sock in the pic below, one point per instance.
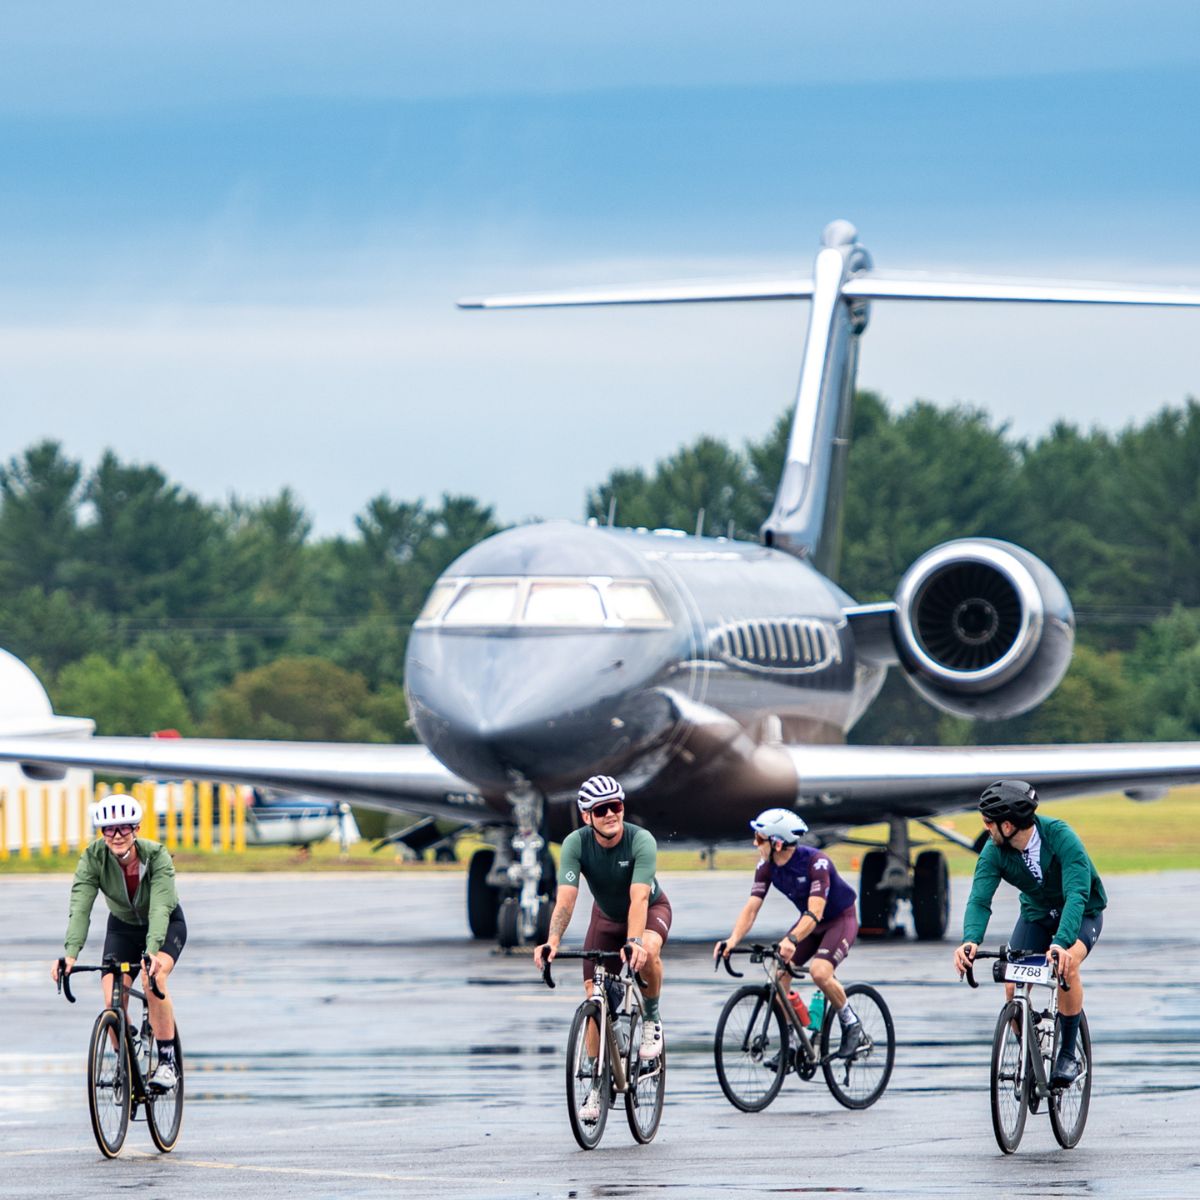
[(1070, 1029), (651, 1007), (847, 1016), (166, 1051)]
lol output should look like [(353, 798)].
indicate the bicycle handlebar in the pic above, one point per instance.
[(757, 953), (594, 955), (110, 966), (1008, 954)]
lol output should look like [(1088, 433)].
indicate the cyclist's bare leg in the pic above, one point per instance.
[(592, 1036), (162, 1013), (821, 970), (652, 969), (1070, 1003)]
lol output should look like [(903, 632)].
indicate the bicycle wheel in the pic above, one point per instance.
[(1010, 1078), (1069, 1105), (164, 1110), (108, 1084), (584, 1074), (647, 1087), (751, 1049), (859, 1080)]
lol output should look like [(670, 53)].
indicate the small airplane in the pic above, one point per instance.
[(714, 677)]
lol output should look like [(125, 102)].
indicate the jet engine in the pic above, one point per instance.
[(983, 628)]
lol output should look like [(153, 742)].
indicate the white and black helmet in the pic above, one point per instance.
[(779, 823), (117, 809), (600, 789)]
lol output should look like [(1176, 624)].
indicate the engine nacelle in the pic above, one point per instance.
[(983, 628)]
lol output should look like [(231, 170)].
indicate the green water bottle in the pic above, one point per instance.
[(816, 1010)]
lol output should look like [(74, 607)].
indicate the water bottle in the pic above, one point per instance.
[(798, 1007), (816, 1009)]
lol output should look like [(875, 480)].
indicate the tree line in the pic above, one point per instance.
[(145, 607)]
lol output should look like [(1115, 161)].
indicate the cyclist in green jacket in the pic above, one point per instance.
[(137, 878), (1062, 900)]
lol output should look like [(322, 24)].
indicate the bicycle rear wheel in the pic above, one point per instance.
[(164, 1110), (1069, 1105), (1010, 1078), (647, 1087), (860, 1079), (751, 1049), (109, 1084), (585, 1074)]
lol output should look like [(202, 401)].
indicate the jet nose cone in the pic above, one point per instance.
[(544, 708)]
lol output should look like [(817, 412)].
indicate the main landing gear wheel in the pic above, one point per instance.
[(931, 896), (875, 904), (483, 900), (508, 932)]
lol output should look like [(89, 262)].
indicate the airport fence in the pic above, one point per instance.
[(48, 820)]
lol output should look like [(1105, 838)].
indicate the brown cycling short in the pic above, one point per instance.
[(831, 940), (606, 934)]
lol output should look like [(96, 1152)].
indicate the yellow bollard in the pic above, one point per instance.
[(83, 818), (47, 846), (118, 789), (206, 815), (103, 791), (187, 814), (171, 838), (147, 793), (226, 805), (23, 816), (64, 846), (239, 822), (3, 824)]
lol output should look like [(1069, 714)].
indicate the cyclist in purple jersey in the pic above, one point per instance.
[(827, 926)]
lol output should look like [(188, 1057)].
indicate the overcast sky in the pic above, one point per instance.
[(231, 235)]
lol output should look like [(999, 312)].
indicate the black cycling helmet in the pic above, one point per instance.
[(1011, 800)]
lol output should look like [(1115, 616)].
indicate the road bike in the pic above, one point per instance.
[(1024, 1048), (611, 1021), (753, 1052), (121, 1059)]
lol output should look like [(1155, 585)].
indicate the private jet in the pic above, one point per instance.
[(714, 677)]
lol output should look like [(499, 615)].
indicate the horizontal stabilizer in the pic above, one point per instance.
[(895, 286), (655, 293)]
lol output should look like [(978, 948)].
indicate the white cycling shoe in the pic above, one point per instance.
[(590, 1111), (164, 1077), (652, 1041)]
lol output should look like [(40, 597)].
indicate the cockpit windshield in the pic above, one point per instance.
[(557, 602)]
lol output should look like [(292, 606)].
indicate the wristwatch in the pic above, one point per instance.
[(635, 941)]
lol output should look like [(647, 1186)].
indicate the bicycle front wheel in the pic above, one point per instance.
[(588, 1078), (859, 1079), (109, 1084), (164, 1110), (1069, 1105), (1010, 1077), (751, 1049), (647, 1087)]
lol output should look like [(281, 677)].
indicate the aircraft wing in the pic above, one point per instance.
[(874, 782), (406, 777)]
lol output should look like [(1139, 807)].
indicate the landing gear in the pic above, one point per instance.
[(483, 899), (527, 868), (886, 880), (931, 896)]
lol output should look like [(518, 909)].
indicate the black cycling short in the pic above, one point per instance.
[(1034, 935), (125, 942)]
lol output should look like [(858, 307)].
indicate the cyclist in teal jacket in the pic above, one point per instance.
[(1062, 900)]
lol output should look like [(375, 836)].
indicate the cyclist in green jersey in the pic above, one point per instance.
[(137, 878), (631, 915), (1062, 900)]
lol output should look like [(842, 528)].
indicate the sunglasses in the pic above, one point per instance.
[(604, 810), (118, 830)]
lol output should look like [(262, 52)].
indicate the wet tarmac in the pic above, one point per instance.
[(345, 1037)]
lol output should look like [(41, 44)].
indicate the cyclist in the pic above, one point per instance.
[(1062, 900), (137, 878), (827, 926), (631, 914)]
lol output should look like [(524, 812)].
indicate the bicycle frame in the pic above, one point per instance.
[(808, 1036)]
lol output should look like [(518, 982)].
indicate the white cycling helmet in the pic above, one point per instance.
[(117, 809), (600, 789), (779, 823)]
